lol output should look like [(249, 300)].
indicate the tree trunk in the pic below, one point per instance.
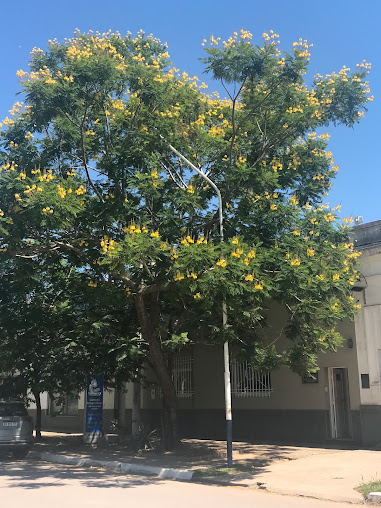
[(37, 399), (122, 407), (170, 420), (170, 437), (136, 414)]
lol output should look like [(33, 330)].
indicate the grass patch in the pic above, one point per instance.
[(221, 471), (366, 488)]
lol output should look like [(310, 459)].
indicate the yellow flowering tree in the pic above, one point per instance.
[(88, 174)]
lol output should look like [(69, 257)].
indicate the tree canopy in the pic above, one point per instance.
[(89, 178)]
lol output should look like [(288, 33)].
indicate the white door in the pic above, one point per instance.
[(339, 403)]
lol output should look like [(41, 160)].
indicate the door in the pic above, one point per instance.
[(339, 403)]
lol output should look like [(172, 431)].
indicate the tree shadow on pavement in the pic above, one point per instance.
[(33, 474)]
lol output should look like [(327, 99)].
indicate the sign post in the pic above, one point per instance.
[(94, 409)]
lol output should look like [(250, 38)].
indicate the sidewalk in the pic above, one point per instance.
[(329, 473)]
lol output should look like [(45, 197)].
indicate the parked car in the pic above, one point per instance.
[(16, 428)]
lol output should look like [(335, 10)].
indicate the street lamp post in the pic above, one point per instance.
[(228, 401)]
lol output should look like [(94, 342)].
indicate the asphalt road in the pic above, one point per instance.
[(38, 484)]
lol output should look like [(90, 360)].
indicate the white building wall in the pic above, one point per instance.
[(368, 326)]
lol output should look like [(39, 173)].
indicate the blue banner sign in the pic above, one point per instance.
[(94, 408)]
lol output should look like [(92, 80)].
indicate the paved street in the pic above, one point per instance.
[(35, 484)]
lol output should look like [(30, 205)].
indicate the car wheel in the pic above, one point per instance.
[(20, 453)]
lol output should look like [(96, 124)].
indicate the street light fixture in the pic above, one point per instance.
[(228, 402)]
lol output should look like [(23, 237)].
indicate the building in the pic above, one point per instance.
[(343, 401)]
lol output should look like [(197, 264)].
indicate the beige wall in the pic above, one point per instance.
[(288, 390)]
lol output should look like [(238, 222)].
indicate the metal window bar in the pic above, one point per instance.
[(246, 382), (182, 376), (182, 368)]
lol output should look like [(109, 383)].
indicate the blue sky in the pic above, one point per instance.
[(343, 32)]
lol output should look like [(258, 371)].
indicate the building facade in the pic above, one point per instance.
[(342, 402)]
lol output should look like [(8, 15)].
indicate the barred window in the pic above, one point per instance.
[(182, 368), (246, 382), (67, 407)]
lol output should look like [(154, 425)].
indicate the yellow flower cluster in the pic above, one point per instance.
[(270, 37), (81, 190), (364, 65), (294, 109), (61, 191), (118, 104), (215, 131), (30, 189), (21, 176), (47, 210), (178, 277), (302, 48), (8, 122), (237, 253), (251, 254), (92, 284), (44, 177), (354, 255), (8, 166), (132, 228), (173, 253), (16, 108), (21, 74), (221, 262), (108, 245), (329, 217)]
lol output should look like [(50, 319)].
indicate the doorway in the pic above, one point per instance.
[(339, 403)]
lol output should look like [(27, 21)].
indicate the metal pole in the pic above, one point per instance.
[(228, 395)]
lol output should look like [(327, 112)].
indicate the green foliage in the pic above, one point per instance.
[(367, 488), (89, 180)]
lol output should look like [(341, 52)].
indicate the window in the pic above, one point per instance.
[(65, 406), (365, 381), (310, 378), (12, 409), (246, 382), (182, 367)]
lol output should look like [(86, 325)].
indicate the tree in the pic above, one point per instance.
[(52, 334), (87, 172)]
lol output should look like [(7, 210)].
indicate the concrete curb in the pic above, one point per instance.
[(114, 465), (374, 497)]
